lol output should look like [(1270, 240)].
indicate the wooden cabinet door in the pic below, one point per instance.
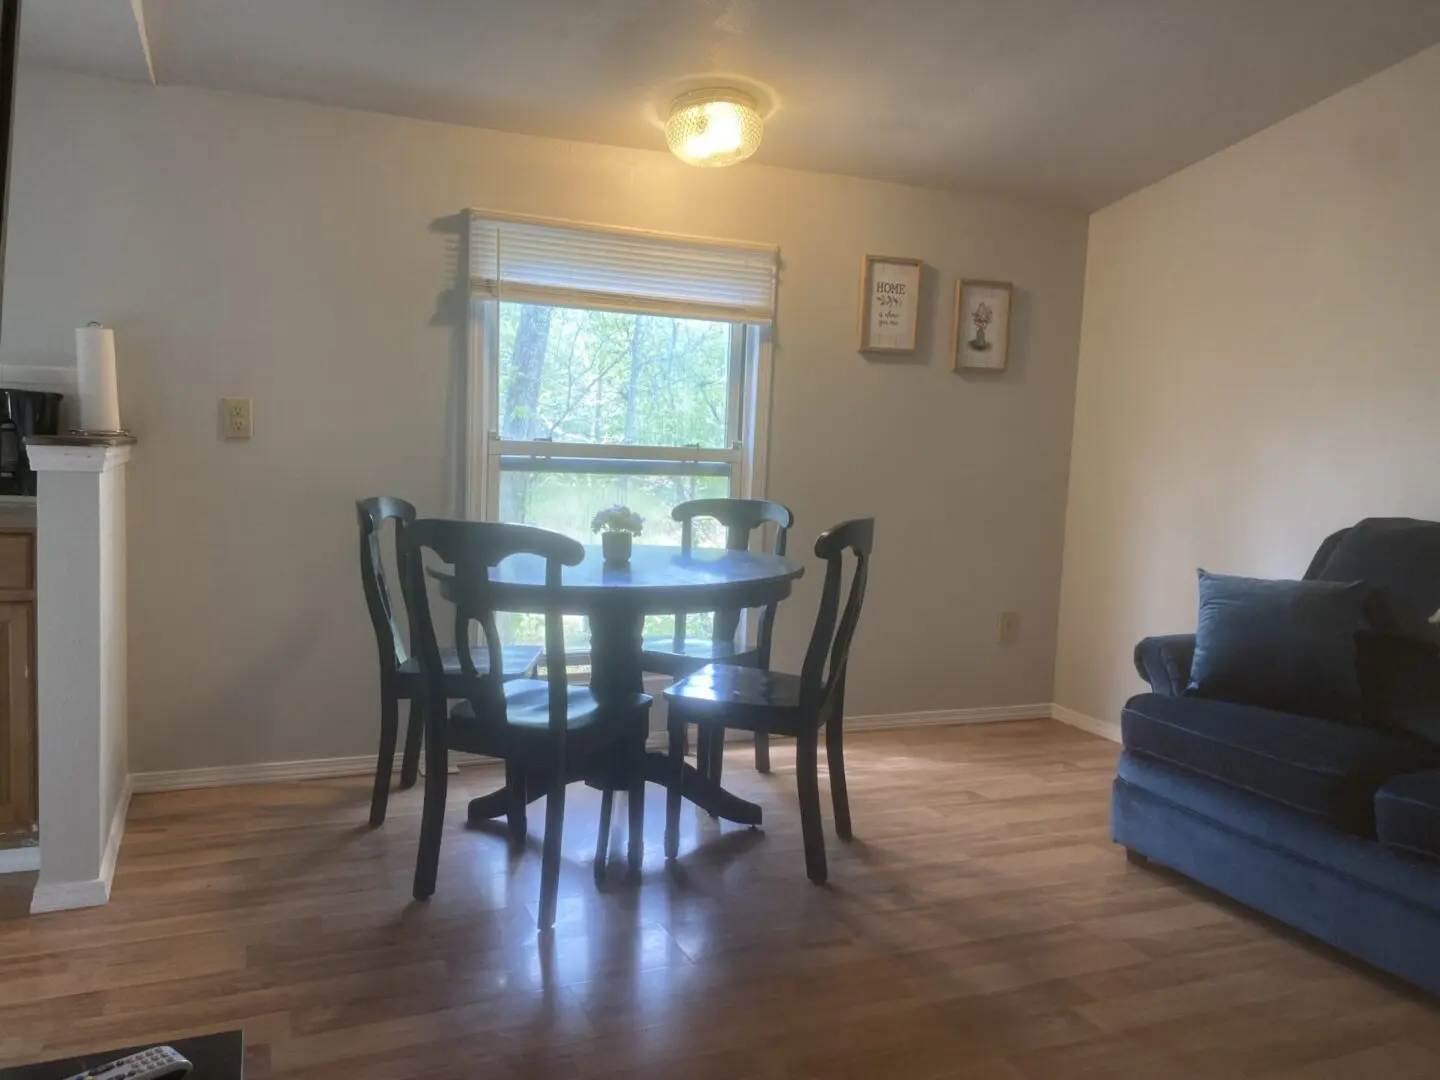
[(17, 714)]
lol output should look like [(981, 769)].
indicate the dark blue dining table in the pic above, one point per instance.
[(615, 601)]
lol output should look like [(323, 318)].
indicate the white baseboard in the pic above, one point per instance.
[(321, 768), (990, 714), (260, 773), (1106, 729), (20, 860), (69, 895), (267, 772)]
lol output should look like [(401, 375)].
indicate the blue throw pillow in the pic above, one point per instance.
[(1282, 645)]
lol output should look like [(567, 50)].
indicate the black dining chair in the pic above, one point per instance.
[(548, 732), (678, 655), (399, 669), (721, 696)]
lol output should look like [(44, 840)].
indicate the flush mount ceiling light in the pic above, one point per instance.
[(713, 127)]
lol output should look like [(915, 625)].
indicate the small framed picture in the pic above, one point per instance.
[(980, 340), (889, 304)]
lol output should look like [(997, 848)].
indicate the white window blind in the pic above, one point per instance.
[(566, 265)]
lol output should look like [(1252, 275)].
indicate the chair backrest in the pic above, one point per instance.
[(372, 515), (740, 518), (822, 691), (472, 549)]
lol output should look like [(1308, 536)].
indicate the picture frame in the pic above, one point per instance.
[(980, 334), (889, 303)]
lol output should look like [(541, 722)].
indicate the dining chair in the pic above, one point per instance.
[(721, 696), (678, 655), (548, 732), (399, 668)]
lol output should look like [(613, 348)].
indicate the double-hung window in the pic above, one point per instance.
[(613, 367)]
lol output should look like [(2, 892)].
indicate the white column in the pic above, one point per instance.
[(80, 651)]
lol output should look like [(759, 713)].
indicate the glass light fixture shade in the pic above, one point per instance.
[(712, 128)]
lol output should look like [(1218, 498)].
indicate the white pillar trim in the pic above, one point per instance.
[(63, 458), (81, 667)]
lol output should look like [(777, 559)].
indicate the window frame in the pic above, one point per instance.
[(746, 456)]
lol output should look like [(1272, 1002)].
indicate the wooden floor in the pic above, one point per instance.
[(981, 925)]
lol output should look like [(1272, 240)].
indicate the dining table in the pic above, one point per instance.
[(615, 601)]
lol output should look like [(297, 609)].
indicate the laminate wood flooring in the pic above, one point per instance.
[(981, 925)]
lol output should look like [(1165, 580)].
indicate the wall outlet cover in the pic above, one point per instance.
[(236, 418)]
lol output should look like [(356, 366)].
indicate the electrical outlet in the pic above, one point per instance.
[(235, 418), (1009, 627)]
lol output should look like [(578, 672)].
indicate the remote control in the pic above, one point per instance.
[(149, 1064)]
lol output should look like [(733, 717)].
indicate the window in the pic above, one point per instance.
[(613, 367)]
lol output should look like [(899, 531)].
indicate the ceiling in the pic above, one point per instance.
[(1079, 101)]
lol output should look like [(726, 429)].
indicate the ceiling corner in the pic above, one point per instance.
[(113, 38), (138, 11)]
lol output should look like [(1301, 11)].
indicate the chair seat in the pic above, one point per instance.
[(1323, 768), (519, 660), (1407, 814), (527, 711), (662, 656), (743, 697)]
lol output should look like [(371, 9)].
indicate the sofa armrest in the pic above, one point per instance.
[(1164, 662)]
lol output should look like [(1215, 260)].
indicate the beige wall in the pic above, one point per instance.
[(1260, 365), (305, 256)]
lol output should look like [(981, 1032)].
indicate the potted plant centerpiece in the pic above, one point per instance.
[(618, 526)]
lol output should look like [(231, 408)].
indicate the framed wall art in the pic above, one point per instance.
[(980, 340), (889, 304)]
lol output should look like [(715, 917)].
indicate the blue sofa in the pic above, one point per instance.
[(1333, 828)]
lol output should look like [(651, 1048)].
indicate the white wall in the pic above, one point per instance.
[(306, 257), (1260, 365)]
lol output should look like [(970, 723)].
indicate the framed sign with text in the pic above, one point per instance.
[(889, 304)]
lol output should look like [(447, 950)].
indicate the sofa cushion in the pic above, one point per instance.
[(1400, 559), (1283, 645), (1326, 769), (1407, 814)]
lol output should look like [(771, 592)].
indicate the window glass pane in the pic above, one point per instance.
[(611, 377), (566, 503)]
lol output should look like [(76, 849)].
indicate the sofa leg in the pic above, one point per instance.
[(1136, 858)]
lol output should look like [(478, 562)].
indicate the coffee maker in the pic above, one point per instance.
[(22, 413)]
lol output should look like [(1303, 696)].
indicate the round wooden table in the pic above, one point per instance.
[(658, 581)]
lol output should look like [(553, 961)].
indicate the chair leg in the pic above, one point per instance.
[(762, 752), (672, 794), (517, 800), (550, 860), (432, 817), (807, 780), (385, 760), (635, 842), (414, 733), (717, 755), (602, 843), (702, 749), (707, 757), (839, 793)]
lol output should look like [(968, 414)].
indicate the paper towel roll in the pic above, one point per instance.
[(95, 363)]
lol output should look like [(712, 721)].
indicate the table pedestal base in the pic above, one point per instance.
[(706, 794)]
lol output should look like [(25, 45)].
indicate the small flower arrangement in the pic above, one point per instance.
[(618, 519), (618, 526)]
